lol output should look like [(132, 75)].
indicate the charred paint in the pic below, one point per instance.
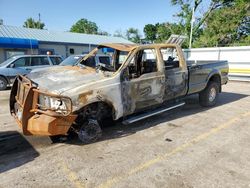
[(83, 98)]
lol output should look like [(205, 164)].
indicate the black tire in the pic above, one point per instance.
[(3, 83), (90, 131), (58, 139), (208, 97)]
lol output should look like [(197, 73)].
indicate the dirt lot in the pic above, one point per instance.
[(190, 147)]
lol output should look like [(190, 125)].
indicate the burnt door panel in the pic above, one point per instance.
[(143, 92), (147, 90), (176, 83), (176, 73)]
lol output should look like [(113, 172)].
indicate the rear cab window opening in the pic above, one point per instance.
[(170, 58)]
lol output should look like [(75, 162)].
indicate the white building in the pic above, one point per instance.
[(20, 40)]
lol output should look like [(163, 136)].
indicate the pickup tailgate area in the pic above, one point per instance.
[(201, 71)]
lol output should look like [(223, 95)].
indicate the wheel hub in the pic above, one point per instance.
[(90, 131), (212, 94)]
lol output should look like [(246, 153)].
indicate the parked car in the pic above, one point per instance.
[(150, 80), (73, 60), (23, 64), (92, 61)]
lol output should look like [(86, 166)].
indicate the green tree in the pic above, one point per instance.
[(119, 33), (133, 35), (187, 6), (84, 26), (226, 26), (162, 33), (105, 33), (150, 32), (31, 23)]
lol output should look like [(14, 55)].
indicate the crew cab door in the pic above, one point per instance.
[(144, 86), (176, 73)]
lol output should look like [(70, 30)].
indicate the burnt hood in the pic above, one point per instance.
[(58, 79)]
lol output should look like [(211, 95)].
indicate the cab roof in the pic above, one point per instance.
[(130, 47), (120, 46)]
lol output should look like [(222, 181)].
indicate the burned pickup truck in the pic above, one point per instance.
[(142, 81)]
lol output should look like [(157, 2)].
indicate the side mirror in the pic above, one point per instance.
[(12, 65)]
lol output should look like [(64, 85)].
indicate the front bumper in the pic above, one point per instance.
[(32, 120)]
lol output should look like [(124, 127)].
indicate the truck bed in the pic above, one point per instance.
[(200, 72)]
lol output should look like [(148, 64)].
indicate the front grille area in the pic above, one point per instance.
[(23, 88), (28, 98)]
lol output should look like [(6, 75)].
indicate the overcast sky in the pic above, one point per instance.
[(109, 15)]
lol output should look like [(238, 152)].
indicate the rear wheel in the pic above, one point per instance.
[(3, 83), (208, 97)]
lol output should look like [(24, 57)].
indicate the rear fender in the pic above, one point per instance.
[(214, 75)]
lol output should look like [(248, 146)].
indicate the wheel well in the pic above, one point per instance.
[(105, 109), (216, 78)]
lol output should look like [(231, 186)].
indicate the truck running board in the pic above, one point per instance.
[(139, 117)]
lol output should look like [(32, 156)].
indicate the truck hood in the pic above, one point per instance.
[(59, 79)]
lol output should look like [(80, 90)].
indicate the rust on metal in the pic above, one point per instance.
[(120, 46), (83, 98), (30, 118), (51, 125)]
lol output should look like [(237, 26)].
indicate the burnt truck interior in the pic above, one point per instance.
[(170, 58), (117, 59), (145, 61)]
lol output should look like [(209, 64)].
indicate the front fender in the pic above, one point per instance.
[(91, 97)]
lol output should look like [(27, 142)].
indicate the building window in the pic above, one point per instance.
[(71, 51), (10, 53)]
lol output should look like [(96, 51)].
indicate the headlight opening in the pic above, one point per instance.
[(61, 105)]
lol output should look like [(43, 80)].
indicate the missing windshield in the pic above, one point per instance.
[(105, 59)]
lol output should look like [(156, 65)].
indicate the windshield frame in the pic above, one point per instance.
[(95, 51)]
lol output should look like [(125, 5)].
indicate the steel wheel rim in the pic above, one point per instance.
[(212, 94)]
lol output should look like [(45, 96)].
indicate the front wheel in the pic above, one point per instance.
[(208, 97), (58, 139), (90, 131), (3, 83)]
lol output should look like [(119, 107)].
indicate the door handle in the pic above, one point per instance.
[(28, 69)]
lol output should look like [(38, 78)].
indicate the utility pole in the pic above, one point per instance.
[(191, 30), (39, 20)]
